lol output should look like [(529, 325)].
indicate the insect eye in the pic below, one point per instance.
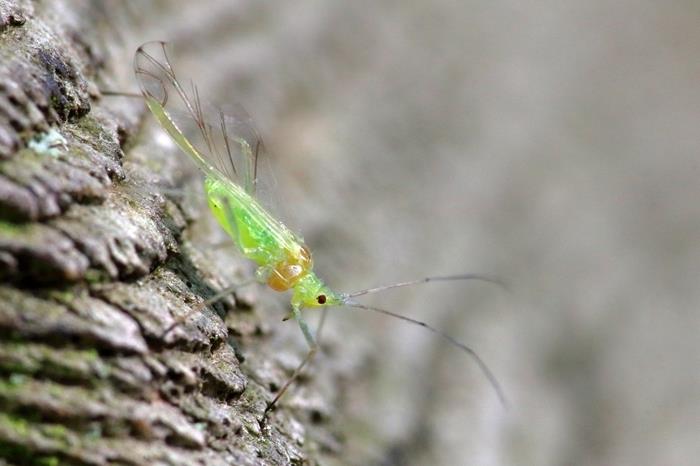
[(321, 299)]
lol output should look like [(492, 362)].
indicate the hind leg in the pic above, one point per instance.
[(218, 296)]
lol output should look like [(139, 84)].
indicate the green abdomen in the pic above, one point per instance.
[(257, 235)]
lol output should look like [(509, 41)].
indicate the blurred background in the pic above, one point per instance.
[(554, 144)]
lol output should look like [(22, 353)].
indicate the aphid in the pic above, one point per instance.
[(226, 151)]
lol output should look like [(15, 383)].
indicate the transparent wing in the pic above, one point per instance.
[(220, 139)]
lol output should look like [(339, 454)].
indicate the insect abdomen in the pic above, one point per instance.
[(258, 236)]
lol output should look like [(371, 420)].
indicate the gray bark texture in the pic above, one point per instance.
[(96, 263)]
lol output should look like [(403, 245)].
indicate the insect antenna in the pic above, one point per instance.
[(473, 354), (467, 276)]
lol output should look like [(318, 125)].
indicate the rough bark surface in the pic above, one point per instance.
[(95, 264)]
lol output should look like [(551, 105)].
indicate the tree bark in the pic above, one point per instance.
[(98, 257)]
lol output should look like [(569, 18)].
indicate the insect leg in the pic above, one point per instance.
[(319, 327), (221, 294), (321, 323), (313, 348)]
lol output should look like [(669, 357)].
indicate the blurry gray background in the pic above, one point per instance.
[(554, 144)]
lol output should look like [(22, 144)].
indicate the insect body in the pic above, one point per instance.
[(226, 149), (283, 259)]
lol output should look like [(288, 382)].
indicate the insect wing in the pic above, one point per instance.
[(221, 140)]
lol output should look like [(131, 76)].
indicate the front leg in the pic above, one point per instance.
[(313, 349)]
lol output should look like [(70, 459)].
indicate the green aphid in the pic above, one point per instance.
[(226, 147)]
